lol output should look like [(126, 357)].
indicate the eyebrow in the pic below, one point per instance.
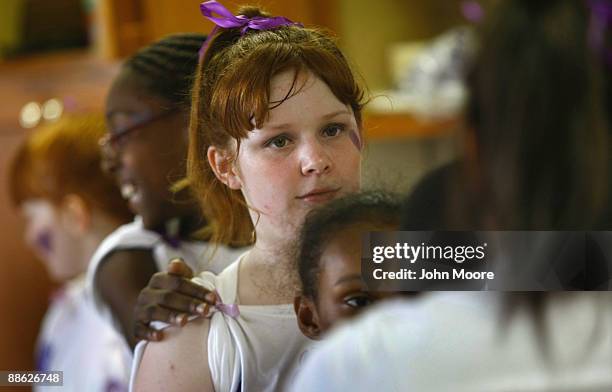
[(325, 117), (348, 278), (336, 113)]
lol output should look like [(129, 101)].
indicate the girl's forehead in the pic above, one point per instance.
[(38, 207), (287, 82), (290, 83), (299, 95)]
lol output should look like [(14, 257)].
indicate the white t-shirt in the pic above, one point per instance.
[(73, 339), (255, 351), (197, 254), (459, 342)]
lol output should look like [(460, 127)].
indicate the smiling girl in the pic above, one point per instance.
[(69, 207), (145, 149)]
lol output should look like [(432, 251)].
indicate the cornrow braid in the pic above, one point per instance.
[(167, 67)]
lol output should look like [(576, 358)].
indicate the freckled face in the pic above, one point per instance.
[(303, 156), (50, 240)]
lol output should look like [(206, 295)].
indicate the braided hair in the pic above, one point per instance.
[(167, 67)]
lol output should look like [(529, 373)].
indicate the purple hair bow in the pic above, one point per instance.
[(227, 20)]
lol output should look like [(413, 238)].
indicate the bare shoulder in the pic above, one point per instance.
[(179, 362)]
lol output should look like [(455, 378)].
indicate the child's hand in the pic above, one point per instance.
[(170, 297)]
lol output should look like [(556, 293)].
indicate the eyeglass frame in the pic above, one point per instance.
[(111, 140)]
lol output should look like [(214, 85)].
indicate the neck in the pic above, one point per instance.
[(101, 228), (183, 227), (267, 274)]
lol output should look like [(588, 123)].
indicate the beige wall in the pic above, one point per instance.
[(368, 27)]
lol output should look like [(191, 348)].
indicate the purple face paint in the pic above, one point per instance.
[(44, 241), (356, 140), (43, 357)]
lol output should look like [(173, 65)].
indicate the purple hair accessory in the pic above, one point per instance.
[(230, 310), (601, 18), (227, 20)]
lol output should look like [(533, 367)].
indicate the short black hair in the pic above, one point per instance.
[(167, 67), (321, 224)]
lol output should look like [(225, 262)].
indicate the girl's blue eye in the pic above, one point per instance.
[(278, 142), (358, 301), (333, 130)]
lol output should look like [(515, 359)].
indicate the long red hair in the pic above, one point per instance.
[(232, 91)]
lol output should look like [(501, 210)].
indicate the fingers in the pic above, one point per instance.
[(180, 268), (180, 303), (144, 332), (168, 282), (166, 306), (146, 314)]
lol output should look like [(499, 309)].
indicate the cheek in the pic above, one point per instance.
[(348, 164), (128, 158), (39, 234), (44, 241), (329, 307), (266, 183), (328, 311), (41, 240), (136, 155)]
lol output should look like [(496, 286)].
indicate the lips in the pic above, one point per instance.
[(131, 193), (128, 190), (319, 195)]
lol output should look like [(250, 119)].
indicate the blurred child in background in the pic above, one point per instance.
[(70, 206)]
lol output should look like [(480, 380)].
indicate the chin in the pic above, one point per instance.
[(151, 225), (150, 221), (58, 276)]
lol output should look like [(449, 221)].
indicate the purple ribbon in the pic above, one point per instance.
[(174, 242), (227, 20), (601, 18), (230, 310)]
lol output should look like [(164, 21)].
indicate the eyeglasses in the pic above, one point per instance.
[(112, 142)]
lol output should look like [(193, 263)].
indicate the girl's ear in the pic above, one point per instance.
[(75, 215), (223, 166), (307, 317)]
